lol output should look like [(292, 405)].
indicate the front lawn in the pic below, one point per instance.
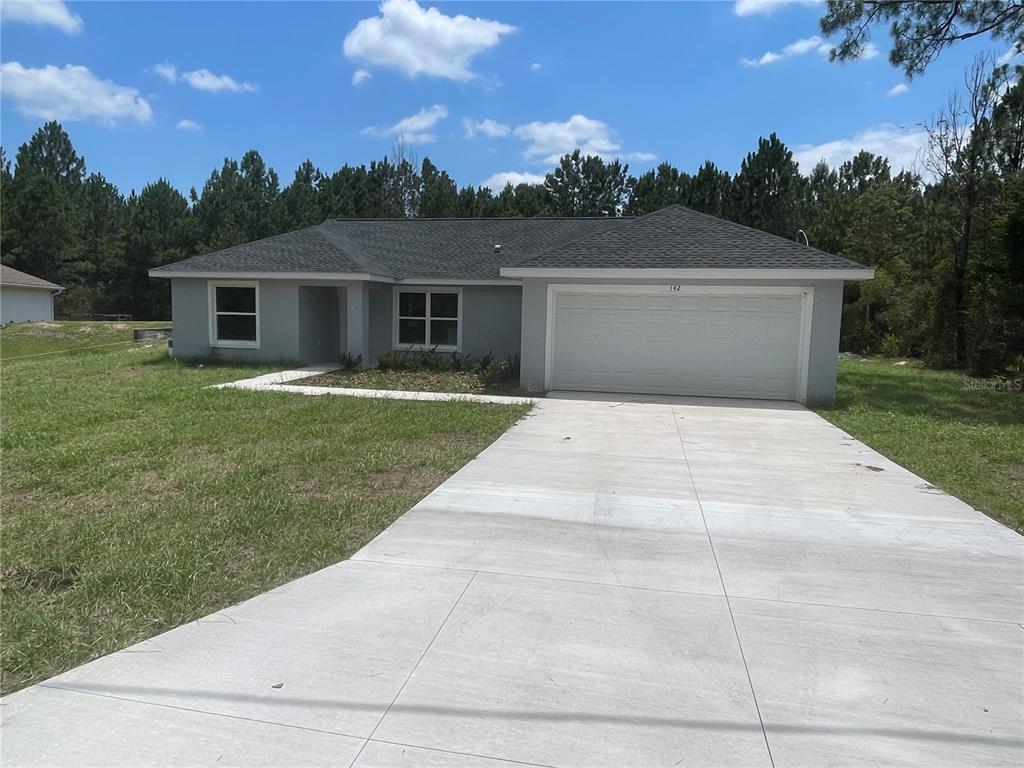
[(956, 433), (135, 500), (414, 381)]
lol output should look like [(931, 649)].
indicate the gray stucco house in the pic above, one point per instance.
[(674, 302), (25, 298)]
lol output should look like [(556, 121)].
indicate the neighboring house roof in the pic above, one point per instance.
[(15, 277), (465, 249), (680, 238)]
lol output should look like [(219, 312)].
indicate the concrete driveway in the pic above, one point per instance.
[(670, 583)]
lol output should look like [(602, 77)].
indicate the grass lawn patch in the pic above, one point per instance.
[(22, 339), (414, 381), (955, 432), (135, 500)]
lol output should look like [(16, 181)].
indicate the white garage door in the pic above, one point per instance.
[(678, 340)]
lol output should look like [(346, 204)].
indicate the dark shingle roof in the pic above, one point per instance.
[(12, 276), (459, 248), (679, 238), (304, 250), (464, 249), (428, 249)]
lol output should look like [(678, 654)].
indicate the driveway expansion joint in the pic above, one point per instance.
[(415, 667), (725, 592)]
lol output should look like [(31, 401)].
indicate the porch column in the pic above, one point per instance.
[(357, 308)]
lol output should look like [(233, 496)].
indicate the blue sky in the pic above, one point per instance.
[(488, 91)]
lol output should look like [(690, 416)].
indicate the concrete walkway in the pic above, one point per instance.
[(278, 382), (669, 583)]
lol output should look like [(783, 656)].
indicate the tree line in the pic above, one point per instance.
[(947, 242)]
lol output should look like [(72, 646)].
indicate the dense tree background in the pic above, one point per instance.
[(947, 246)]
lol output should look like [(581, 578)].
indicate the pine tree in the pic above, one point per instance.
[(766, 193), (299, 204)]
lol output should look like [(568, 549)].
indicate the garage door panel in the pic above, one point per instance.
[(732, 344)]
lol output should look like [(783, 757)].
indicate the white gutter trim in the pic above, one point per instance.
[(691, 274), (57, 288), (342, 276), (336, 276), (414, 281)]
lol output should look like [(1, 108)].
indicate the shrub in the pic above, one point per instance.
[(393, 360), (350, 362), (490, 369), (432, 360), (890, 346), (501, 371), (1015, 370)]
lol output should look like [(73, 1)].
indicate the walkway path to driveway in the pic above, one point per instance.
[(279, 382), (670, 583)]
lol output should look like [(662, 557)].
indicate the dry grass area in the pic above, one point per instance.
[(45, 338), (134, 499)]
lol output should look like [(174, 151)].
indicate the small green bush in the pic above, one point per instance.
[(499, 371), (490, 369), (394, 360), (350, 362), (890, 346)]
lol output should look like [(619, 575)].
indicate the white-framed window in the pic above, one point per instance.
[(428, 318), (235, 314)]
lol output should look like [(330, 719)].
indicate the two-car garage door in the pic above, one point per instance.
[(677, 340)]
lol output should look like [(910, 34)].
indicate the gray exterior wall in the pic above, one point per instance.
[(494, 320), (824, 343), (309, 323), (280, 321), (19, 304)]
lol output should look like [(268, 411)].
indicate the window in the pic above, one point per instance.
[(428, 319), (234, 314)]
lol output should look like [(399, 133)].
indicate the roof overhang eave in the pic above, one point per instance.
[(54, 289), (861, 273), (258, 275)]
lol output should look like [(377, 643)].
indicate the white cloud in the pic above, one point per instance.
[(188, 125), (205, 80), (898, 90), (903, 146), (413, 129), (71, 93), (765, 7), (485, 127), (497, 181), (167, 71), (796, 48), (868, 51), (51, 13), (535, 67), (423, 42), (806, 45), (360, 76), (549, 141), (1010, 55)]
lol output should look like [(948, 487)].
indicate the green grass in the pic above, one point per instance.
[(415, 381), (135, 500), (24, 339), (965, 439)]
